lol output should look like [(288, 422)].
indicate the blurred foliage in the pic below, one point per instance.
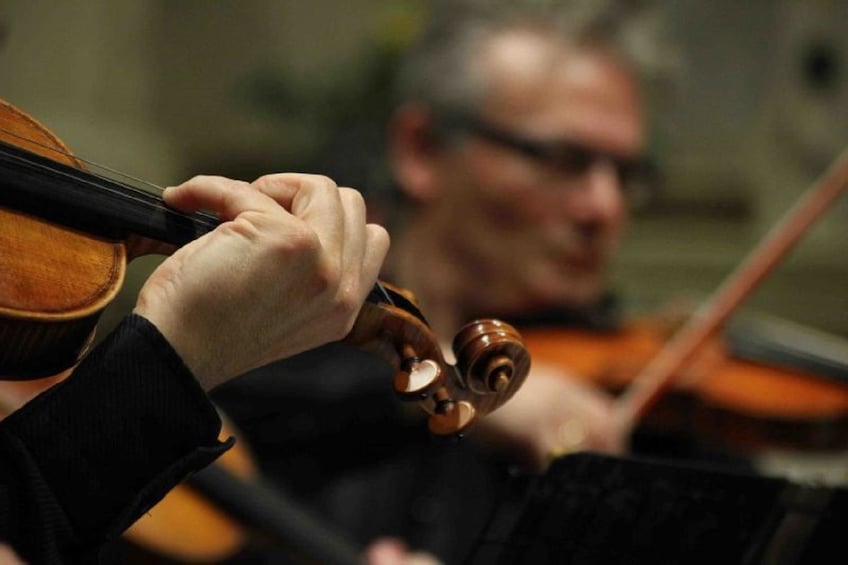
[(341, 113)]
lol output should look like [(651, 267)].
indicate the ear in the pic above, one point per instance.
[(414, 152)]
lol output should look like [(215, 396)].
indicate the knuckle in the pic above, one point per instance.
[(300, 247), (327, 181), (380, 235), (264, 179), (324, 182), (206, 179), (323, 275), (239, 184), (304, 240), (352, 196), (266, 182), (347, 303), (243, 227), (346, 311), (327, 276), (195, 182)]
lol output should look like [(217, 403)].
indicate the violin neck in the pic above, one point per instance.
[(79, 199)]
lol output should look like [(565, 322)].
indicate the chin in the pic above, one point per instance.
[(571, 293)]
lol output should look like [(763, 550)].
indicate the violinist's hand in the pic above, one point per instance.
[(287, 270), (8, 556), (392, 551), (551, 414)]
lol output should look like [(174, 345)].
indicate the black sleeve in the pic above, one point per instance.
[(83, 460)]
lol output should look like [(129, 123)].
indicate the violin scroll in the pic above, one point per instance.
[(492, 361), (492, 355)]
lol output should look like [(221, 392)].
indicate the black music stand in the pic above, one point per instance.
[(596, 509)]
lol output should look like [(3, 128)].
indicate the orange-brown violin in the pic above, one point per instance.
[(730, 401)]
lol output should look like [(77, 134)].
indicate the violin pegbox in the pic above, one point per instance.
[(492, 361)]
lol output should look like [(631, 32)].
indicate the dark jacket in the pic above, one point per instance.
[(83, 460)]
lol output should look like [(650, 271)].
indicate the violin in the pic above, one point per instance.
[(721, 399), (687, 382), (67, 234)]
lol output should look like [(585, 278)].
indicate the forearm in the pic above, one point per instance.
[(83, 460)]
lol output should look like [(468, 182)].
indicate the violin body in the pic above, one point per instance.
[(730, 393), (719, 400), (54, 280)]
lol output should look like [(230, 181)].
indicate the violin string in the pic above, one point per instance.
[(156, 188), (126, 195), (125, 185)]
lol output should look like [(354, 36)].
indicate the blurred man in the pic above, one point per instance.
[(517, 141)]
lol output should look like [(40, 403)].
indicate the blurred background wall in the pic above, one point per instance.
[(166, 89)]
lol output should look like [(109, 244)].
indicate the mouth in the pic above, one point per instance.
[(588, 261)]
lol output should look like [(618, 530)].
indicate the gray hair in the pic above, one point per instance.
[(439, 70)]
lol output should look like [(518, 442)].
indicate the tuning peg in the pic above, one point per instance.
[(416, 377), (450, 417)]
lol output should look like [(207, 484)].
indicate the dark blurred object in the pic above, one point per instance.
[(590, 508)]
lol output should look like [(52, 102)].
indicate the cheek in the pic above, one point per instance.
[(512, 203), (617, 222)]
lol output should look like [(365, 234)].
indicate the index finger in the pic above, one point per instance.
[(226, 197)]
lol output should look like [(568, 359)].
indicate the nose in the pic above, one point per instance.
[(597, 197)]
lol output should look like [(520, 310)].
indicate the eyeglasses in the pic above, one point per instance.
[(637, 177)]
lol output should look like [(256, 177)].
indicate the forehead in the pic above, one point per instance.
[(547, 88)]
